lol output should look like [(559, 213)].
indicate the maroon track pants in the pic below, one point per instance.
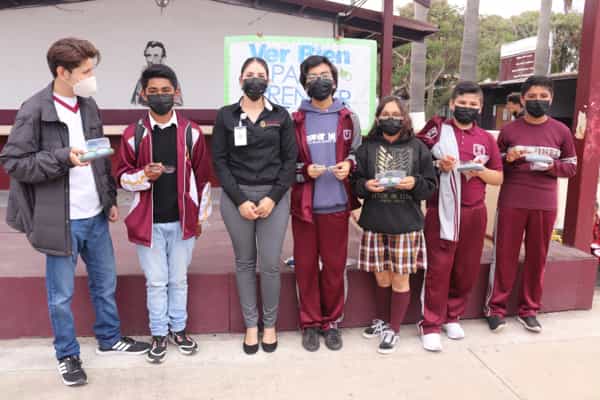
[(511, 224), (321, 293), (452, 267)]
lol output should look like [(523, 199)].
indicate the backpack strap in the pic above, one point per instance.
[(139, 133), (189, 140)]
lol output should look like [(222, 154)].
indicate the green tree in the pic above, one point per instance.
[(444, 48), (443, 55), (494, 31), (566, 30)]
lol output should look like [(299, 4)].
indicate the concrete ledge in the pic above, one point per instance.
[(213, 302), (109, 130)]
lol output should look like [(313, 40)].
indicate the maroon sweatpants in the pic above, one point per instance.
[(452, 267), (511, 224), (321, 293)]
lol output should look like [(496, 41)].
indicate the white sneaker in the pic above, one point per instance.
[(432, 342), (454, 331)]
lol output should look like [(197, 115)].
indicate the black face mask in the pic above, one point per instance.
[(161, 104), (466, 115), (516, 114), (320, 89), (254, 88), (390, 126), (537, 108)]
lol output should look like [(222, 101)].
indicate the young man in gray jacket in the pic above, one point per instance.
[(63, 205)]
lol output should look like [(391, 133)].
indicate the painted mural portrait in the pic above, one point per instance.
[(155, 52)]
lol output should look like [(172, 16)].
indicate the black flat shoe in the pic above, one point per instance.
[(250, 348), (269, 347)]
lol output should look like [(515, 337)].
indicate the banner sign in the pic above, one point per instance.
[(355, 59)]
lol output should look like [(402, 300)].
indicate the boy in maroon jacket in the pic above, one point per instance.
[(456, 215), (164, 162), (538, 149)]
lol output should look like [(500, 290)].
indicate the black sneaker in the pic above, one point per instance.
[(496, 323), (184, 343), (71, 372), (158, 350), (376, 329), (333, 338), (125, 345), (530, 323), (388, 342), (310, 339)]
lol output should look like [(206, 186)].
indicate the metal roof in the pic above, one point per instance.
[(353, 22), (360, 23), (34, 3), (559, 76)]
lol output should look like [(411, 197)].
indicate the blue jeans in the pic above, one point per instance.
[(165, 265), (90, 239)]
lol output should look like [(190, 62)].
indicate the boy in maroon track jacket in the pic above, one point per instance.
[(456, 215), (538, 149)]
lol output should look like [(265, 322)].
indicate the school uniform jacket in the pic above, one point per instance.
[(193, 172)]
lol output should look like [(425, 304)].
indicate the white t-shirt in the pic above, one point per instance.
[(84, 201)]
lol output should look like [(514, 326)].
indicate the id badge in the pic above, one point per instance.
[(240, 136)]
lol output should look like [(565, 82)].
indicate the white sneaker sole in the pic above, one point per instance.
[(537, 329), (155, 361), (452, 337), (367, 336), (121, 353), (67, 383), (499, 328), (183, 351), (432, 349), (386, 351)]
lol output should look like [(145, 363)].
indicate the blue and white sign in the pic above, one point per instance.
[(355, 59)]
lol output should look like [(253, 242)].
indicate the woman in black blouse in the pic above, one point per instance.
[(254, 152)]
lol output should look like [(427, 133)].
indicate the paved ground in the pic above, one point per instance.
[(561, 363)]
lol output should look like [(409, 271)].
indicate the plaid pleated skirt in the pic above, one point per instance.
[(404, 253)]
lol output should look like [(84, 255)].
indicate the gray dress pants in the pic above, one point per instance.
[(260, 240)]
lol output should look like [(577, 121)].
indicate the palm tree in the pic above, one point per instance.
[(470, 44), (418, 54), (542, 50)]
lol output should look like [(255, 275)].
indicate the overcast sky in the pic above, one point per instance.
[(505, 8)]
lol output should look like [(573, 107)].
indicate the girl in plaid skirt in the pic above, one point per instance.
[(394, 174)]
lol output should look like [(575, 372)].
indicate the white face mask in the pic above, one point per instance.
[(86, 87)]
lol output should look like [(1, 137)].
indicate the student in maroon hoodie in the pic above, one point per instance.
[(327, 133), (456, 216), (538, 149)]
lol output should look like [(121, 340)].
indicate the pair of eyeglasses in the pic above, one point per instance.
[(392, 117), (314, 77)]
